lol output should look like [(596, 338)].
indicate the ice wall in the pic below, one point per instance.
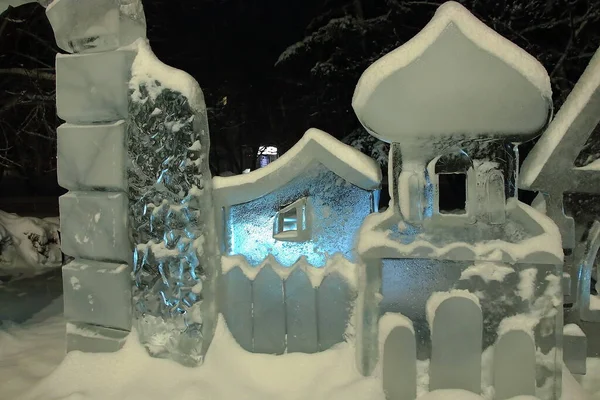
[(134, 156)]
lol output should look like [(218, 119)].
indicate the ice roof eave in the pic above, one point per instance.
[(543, 247), (315, 146)]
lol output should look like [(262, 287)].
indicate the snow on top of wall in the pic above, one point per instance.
[(540, 312), (487, 271), (28, 245), (542, 244), (315, 145), (336, 264), (437, 298), (573, 330), (578, 99), (503, 58), (147, 70), (389, 321)]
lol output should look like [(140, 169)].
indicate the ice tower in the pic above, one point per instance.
[(463, 266)]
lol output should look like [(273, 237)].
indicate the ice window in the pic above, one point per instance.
[(452, 193), (452, 182), (291, 223), (289, 220)]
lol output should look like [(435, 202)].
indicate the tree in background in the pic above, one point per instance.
[(346, 36), (27, 92), (272, 69)]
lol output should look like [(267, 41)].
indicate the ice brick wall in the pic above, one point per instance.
[(92, 98)]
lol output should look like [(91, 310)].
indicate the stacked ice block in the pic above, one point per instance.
[(92, 97)]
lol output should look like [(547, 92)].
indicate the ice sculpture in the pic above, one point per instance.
[(485, 265), (289, 231), (152, 208), (564, 166), (96, 25), (310, 202), (171, 211)]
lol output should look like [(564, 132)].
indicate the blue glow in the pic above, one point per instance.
[(336, 212)]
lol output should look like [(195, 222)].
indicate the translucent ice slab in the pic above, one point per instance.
[(92, 156), (96, 25)]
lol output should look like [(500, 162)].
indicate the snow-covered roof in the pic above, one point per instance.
[(315, 146), (550, 165), (455, 77), (527, 236)]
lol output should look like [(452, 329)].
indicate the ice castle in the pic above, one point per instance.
[(296, 256)]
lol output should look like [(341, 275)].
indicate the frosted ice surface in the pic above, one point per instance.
[(514, 365), (412, 91), (94, 226), (399, 373), (98, 293), (94, 339), (171, 211), (574, 349), (268, 311), (93, 87), (301, 314), (92, 156), (96, 25), (456, 343)]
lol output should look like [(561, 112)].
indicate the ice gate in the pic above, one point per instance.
[(496, 263)]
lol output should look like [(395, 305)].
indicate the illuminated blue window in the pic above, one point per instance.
[(292, 223)]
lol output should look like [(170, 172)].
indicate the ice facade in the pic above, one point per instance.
[(455, 273)]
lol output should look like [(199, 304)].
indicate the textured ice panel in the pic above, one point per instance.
[(503, 90), (337, 209), (456, 345), (92, 156), (171, 211), (98, 293), (94, 226), (335, 300), (585, 256), (236, 306), (96, 25), (400, 364), (406, 285), (94, 339), (301, 314), (514, 365), (575, 349), (269, 312), (93, 87)]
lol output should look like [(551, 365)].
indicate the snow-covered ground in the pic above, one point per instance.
[(33, 367), (28, 245)]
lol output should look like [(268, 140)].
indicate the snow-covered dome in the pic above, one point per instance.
[(456, 77)]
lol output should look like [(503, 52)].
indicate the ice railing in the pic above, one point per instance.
[(274, 309)]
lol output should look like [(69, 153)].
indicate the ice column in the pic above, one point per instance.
[(92, 97), (171, 211)]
